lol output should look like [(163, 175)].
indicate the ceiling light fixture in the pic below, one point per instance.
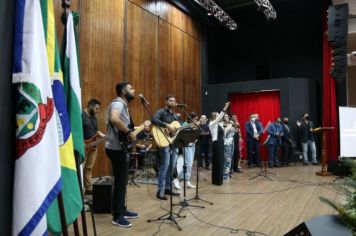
[(266, 7), (215, 10)]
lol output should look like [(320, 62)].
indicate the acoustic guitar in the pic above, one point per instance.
[(164, 138)]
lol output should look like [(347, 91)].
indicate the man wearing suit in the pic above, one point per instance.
[(253, 131), (275, 133), (286, 142), (307, 140)]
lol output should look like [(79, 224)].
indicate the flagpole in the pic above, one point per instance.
[(84, 221), (62, 214)]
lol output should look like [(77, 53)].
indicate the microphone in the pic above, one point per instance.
[(181, 105), (143, 99)]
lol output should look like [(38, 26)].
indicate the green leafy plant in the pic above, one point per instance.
[(347, 210)]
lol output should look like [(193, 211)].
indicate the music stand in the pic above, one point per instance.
[(182, 140)]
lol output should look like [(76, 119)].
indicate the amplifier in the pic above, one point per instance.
[(102, 191)]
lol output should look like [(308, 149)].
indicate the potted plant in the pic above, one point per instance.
[(347, 210)]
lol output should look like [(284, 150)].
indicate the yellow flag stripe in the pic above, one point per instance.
[(67, 160), (51, 36)]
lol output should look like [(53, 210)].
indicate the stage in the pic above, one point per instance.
[(269, 207)]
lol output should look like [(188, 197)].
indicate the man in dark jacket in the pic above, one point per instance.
[(307, 139), (286, 142)]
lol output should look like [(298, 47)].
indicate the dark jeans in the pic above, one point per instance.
[(120, 162), (273, 154), (286, 153), (253, 152), (206, 153)]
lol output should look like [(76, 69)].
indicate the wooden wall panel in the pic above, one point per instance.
[(148, 5), (192, 73), (170, 62), (147, 42), (141, 58), (179, 19), (101, 60)]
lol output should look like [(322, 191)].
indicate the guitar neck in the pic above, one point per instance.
[(96, 142)]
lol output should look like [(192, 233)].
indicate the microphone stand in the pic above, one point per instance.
[(185, 203), (171, 216)]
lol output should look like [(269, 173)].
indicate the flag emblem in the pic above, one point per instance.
[(32, 116)]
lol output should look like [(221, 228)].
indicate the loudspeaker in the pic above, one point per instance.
[(328, 225), (338, 168), (338, 22), (102, 196)]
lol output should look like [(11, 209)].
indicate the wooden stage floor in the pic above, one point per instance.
[(269, 207)]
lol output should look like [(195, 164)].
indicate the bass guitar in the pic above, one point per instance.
[(90, 144)]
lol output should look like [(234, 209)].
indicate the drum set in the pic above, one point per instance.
[(144, 163)]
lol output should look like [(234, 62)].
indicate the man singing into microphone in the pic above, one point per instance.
[(163, 118)]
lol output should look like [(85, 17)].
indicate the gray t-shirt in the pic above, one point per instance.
[(112, 141)]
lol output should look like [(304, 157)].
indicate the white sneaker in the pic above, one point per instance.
[(190, 185), (176, 183)]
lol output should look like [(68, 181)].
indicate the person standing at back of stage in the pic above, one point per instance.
[(217, 136), (163, 118), (286, 143), (307, 139), (205, 143), (90, 131), (189, 152), (120, 127), (275, 133), (229, 132), (235, 163), (253, 131)]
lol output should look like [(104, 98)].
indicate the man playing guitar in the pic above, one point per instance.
[(91, 133), (164, 118), (118, 133)]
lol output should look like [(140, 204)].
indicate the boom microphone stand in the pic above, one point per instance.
[(171, 216)]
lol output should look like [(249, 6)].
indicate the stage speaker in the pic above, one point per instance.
[(337, 167), (338, 22), (328, 225), (102, 196)]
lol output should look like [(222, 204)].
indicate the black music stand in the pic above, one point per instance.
[(182, 140)]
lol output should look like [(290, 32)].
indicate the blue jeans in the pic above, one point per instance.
[(311, 145), (189, 159), (166, 168)]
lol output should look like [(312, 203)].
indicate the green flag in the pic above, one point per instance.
[(72, 200), (70, 63)]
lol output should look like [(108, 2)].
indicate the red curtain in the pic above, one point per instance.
[(330, 118), (266, 104)]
